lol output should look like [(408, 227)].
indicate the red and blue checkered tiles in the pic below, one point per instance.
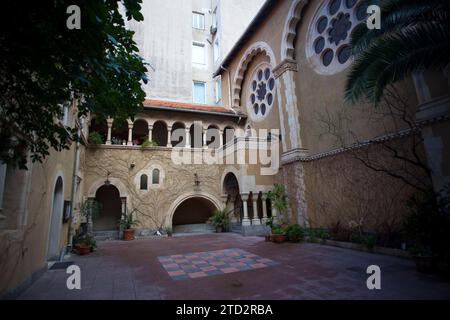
[(211, 263)]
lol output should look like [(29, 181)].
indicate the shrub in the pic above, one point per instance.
[(220, 219), (294, 233), (95, 138), (365, 239), (148, 143), (339, 233)]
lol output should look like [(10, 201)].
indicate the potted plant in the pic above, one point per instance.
[(294, 233), (89, 209), (278, 198), (85, 244), (220, 220), (148, 143), (128, 222), (278, 235), (95, 138)]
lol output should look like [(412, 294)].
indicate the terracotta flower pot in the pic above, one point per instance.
[(278, 238), (128, 234), (82, 249)]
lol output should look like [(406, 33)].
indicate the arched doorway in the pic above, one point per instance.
[(108, 196), (192, 214), (56, 220), (234, 201)]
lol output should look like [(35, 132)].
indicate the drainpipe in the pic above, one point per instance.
[(76, 166)]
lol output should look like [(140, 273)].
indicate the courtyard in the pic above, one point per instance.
[(229, 266)]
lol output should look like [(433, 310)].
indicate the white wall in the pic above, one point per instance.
[(165, 40)]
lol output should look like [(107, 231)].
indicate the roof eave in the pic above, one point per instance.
[(186, 110), (252, 27)]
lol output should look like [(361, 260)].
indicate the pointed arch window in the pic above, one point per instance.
[(144, 182)]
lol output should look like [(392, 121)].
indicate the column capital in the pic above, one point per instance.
[(109, 121), (244, 196), (150, 127), (285, 65)]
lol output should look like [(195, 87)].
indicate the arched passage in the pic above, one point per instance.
[(160, 133), (56, 220), (192, 213), (108, 196), (140, 132), (234, 201)]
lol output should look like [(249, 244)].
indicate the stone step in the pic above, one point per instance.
[(194, 228), (106, 235)]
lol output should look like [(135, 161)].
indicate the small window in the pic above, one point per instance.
[(155, 177), (218, 90), (198, 53), (199, 92), (198, 20), (144, 182)]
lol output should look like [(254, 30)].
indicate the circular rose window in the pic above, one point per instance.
[(328, 47), (262, 92)]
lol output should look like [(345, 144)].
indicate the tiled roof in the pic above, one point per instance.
[(189, 107)]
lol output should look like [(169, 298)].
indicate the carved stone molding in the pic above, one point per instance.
[(434, 110), (285, 65), (294, 156)]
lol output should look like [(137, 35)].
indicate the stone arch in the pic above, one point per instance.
[(236, 173), (290, 29), (114, 181), (55, 221), (189, 195), (255, 49)]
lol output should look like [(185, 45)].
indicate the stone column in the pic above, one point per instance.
[(255, 221), (109, 122), (245, 221), (188, 138), (130, 133), (150, 132), (221, 139), (169, 137), (264, 209), (205, 145)]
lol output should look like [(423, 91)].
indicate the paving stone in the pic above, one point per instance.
[(256, 270)]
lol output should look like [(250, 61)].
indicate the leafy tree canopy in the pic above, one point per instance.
[(414, 35), (44, 64)]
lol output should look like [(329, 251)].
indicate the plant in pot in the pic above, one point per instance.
[(278, 198), (128, 222), (95, 138), (220, 220), (278, 235), (89, 209), (294, 233), (426, 229), (148, 143), (85, 244)]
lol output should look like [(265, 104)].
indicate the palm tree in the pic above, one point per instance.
[(414, 36)]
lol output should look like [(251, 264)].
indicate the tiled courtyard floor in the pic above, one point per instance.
[(146, 269)]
